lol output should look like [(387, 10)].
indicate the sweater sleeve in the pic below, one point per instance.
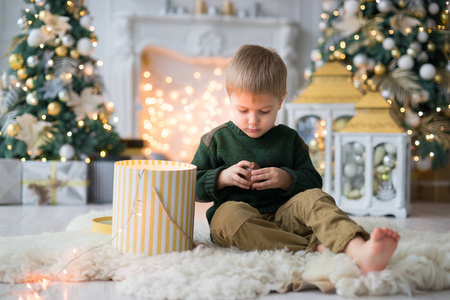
[(208, 170), (304, 174)]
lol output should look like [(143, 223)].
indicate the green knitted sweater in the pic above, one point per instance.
[(226, 145)]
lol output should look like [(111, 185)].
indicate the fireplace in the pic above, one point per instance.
[(168, 82)]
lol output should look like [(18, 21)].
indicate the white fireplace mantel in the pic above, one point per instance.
[(193, 36)]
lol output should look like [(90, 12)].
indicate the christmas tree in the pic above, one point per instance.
[(400, 48), (51, 105)]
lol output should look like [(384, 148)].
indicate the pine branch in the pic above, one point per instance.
[(65, 65), (439, 126), (400, 83), (8, 118)]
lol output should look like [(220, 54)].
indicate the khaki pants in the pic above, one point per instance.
[(301, 223)]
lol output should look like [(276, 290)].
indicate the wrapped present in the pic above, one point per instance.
[(54, 182), (10, 188)]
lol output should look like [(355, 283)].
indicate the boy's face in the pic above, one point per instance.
[(254, 114)]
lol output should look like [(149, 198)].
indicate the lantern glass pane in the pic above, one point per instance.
[(384, 168), (338, 124), (353, 158), (312, 130)]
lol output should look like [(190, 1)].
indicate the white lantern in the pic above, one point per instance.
[(372, 162), (324, 107)]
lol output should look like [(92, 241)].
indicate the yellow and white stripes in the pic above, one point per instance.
[(149, 230)]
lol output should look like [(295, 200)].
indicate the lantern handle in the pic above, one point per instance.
[(171, 220)]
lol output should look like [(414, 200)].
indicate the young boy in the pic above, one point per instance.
[(265, 190)]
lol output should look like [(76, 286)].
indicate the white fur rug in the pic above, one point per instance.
[(421, 262)]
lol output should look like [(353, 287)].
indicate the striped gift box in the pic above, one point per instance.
[(153, 206)]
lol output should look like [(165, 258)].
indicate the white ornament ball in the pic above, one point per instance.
[(39, 3), (412, 119), (391, 149), (358, 148), (388, 43), (34, 38), (406, 62), (318, 64), (322, 26), (31, 99), (447, 67), (423, 164), (86, 21), (416, 46), (22, 23), (68, 40), (63, 95), (360, 60), (67, 151), (316, 55), (350, 170), (384, 6), (85, 47), (307, 73), (351, 7), (422, 57), (385, 94), (422, 36), (427, 71), (433, 8), (32, 61)]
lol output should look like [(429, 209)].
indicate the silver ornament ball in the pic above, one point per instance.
[(32, 61)]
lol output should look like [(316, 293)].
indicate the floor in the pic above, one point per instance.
[(28, 220)]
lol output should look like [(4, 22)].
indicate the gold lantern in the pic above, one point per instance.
[(324, 107), (372, 162)]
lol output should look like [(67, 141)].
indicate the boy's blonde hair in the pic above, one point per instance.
[(256, 70)]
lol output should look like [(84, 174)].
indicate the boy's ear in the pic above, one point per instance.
[(282, 98)]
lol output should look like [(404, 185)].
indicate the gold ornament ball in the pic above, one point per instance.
[(396, 53), (103, 115), (61, 50), (444, 18), (54, 108), (373, 87), (30, 83), (22, 74), (12, 130), (74, 54), (431, 47), (337, 53), (16, 61), (438, 78), (379, 69)]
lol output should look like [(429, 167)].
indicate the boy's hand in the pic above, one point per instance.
[(237, 175), (271, 178)]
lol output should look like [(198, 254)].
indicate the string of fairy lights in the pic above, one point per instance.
[(44, 283)]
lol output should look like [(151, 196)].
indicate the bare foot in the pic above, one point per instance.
[(320, 248), (375, 253)]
